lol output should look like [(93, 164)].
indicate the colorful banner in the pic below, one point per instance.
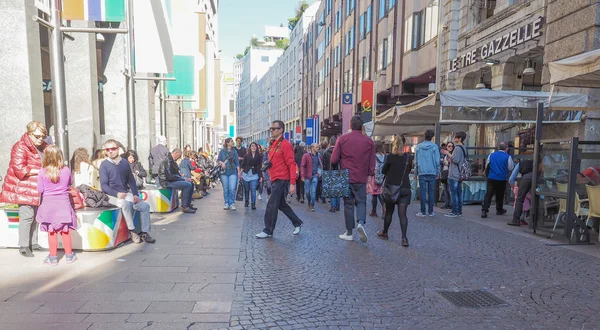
[(346, 111), (298, 135), (316, 129), (286, 135), (184, 73), (309, 131), (367, 100), (94, 10)]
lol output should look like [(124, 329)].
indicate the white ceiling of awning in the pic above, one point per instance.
[(581, 70)]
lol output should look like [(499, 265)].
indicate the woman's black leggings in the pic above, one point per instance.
[(389, 211), (374, 199), (299, 189)]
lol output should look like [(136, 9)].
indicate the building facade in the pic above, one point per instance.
[(248, 71), (95, 84)]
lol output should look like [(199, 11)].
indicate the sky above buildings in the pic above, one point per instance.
[(240, 19)]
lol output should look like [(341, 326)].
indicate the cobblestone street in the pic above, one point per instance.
[(201, 275)]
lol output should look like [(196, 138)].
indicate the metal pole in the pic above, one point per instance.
[(59, 94), (163, 108), (536, 162), (181, 125), (131, 143)]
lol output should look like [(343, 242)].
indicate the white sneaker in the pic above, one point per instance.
[(262, 234), (297, 230), (260, 197), (421, 215), (432, 214), (232, 207), (346, 237), (362, 233), (226, 207)]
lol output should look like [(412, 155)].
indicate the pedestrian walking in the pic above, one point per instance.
[(498, 166), (427, 168), (239, 148), (356, 153), (525, 168), (56, 214), (457, 157), (282, 170), (311, 169), (249, 174), (230, 165), (397, 190), (321, 150), (328, 166), (118, 183), (20, 184), (377, 183), (266, 179), (445, 163), (298, 154)]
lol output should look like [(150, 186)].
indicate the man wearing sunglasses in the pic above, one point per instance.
[(118, 183), (282, 171)]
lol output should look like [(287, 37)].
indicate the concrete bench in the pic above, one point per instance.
[(98, 229), (161, 200)]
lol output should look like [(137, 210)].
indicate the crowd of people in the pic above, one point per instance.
[(41, 184)]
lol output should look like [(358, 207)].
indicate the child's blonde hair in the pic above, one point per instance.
[(53, 162)]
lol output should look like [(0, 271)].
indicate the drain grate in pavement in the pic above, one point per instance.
[(472, 299)]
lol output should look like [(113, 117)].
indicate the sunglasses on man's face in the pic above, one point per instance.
[(111, 149), (274, 128)]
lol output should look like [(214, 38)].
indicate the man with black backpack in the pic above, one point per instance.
[(457, 173)]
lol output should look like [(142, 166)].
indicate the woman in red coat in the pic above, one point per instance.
[(20, 184)]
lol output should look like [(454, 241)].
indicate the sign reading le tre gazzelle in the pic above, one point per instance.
[(507, 41)]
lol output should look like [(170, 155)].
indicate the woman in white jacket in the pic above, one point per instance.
[(83, 171)]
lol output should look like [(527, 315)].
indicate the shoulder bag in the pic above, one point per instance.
[(391, 192)]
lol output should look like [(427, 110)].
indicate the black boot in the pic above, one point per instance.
[(254, 206), (246, 203), (483, 214)]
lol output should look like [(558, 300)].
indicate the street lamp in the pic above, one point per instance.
[(397, 111)]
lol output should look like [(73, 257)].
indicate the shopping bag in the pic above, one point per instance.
[(239, 194), (336, 183)]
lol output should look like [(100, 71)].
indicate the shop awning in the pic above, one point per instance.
[(485, 98), (581, 70), (153, 48), (413, 118)]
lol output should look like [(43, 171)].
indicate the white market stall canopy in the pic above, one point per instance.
[(581, 70), (456, 109)]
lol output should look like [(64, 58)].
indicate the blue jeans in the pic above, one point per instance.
[(229, 183), (250, 189), (187, 189), (310, 186), (457, 197), (335, 202), (427, 186)]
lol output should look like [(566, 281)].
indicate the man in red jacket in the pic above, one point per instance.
[(20, 184), (282, 172)]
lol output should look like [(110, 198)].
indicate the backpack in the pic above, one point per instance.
[(379, 176), (464, 168)]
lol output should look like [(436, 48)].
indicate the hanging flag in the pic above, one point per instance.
[(346, 111), (367, 101), (94, 10)]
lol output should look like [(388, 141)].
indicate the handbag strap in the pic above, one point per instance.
[(404, 171)]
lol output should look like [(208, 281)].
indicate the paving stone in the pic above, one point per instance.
[(118, 325), (175, 296), (68, 296), (180, 307), (63, 307), (212, 307), (122, 287), (21, 307), (103, 307), (181, 278), (106, 318), (180, 317), (43, 318), (45, 326)]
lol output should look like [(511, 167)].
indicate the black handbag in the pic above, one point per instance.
[(391, 192)]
